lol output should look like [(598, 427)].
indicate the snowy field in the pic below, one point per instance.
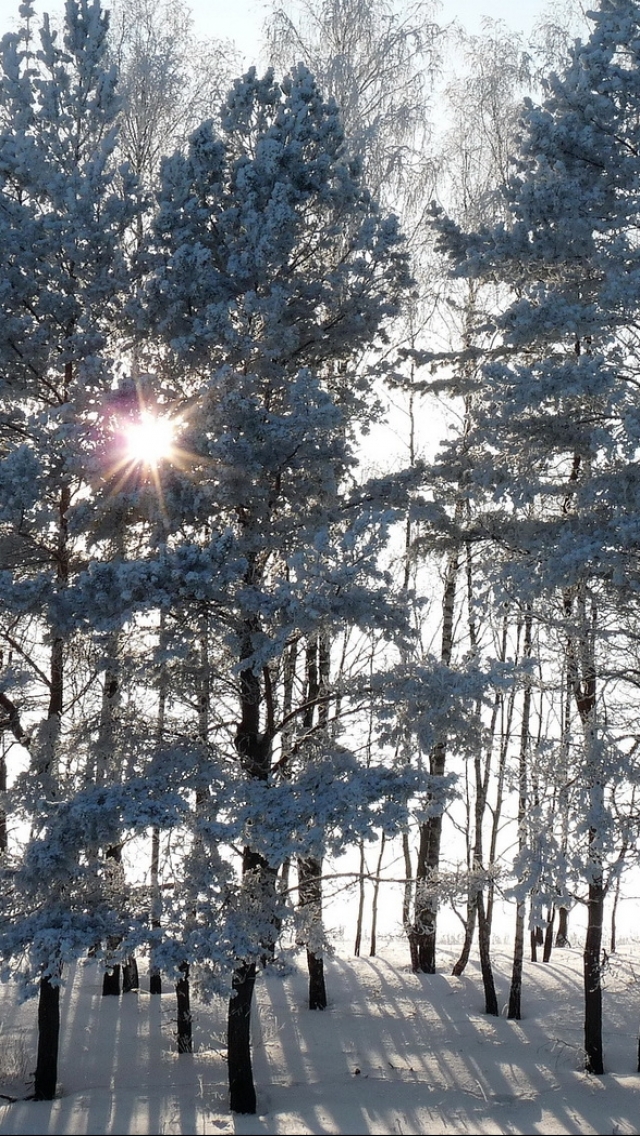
[(395, 1053)]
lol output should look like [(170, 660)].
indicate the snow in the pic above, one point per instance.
[(395, 1053)]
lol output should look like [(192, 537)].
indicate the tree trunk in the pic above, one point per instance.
[(111, 980), (310, 883), (254, 751), (155, 905), (374, 903), (184, 1032), (406, 903), (310, 867), (548, 935), (514, 1011), (423, 936), (614, 914), (317, 988), (469, 932), (484, 945), (48, 1039), (3, 789), (424, 929), (46, 1074), (562, 934), (594, 1062), (358, 943), (241, 1087), (130, 977)]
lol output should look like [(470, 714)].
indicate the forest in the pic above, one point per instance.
[(319, 454)]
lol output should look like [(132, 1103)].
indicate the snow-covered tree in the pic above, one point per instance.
[(377, 61), (557, 417), (274, 275), (65, 209), (169, 81)]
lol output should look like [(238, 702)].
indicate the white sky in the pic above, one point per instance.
[(242, 19)]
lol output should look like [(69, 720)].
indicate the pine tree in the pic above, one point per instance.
[(558, 419), (274, 275), (65, 212)]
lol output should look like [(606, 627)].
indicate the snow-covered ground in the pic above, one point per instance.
[(395, 1053)]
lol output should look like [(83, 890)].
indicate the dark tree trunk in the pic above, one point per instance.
[(536, 941), (594, 1060), (155, 979), (241, 1087), (469, 932), (317, 988), (130, 977), (614, 914), (3, 815), (360, 917), (581, 673), (310, 867), (184, 1033), (562, 934), (254, 749), (48, 1038), (425, 927), (515, 992), (484, 944), (373, 945), (548, 936), (46, 1074), (111, 981), (310, 881), (514, 1011), (423, 935)]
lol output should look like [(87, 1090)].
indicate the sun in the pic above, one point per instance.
[(150, 440)]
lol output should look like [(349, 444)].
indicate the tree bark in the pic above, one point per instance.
[(423, 934), (310, 883), (48, 1038), (374, 902), (310, 867), (360, 917), (130, 977), (241, 1088), (46, 1074), (514, 1011), (111, 980), (562, 934), (184, 1032), (424, 930), (548, 935), (581, 673), (254, 751), (594, 1059), (459, 967), (486, 969)]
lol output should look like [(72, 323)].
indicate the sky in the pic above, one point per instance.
[(242, 19)]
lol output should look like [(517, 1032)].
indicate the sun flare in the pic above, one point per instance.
[(150, 440)]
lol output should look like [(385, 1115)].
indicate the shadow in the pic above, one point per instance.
[(395, 1053)]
